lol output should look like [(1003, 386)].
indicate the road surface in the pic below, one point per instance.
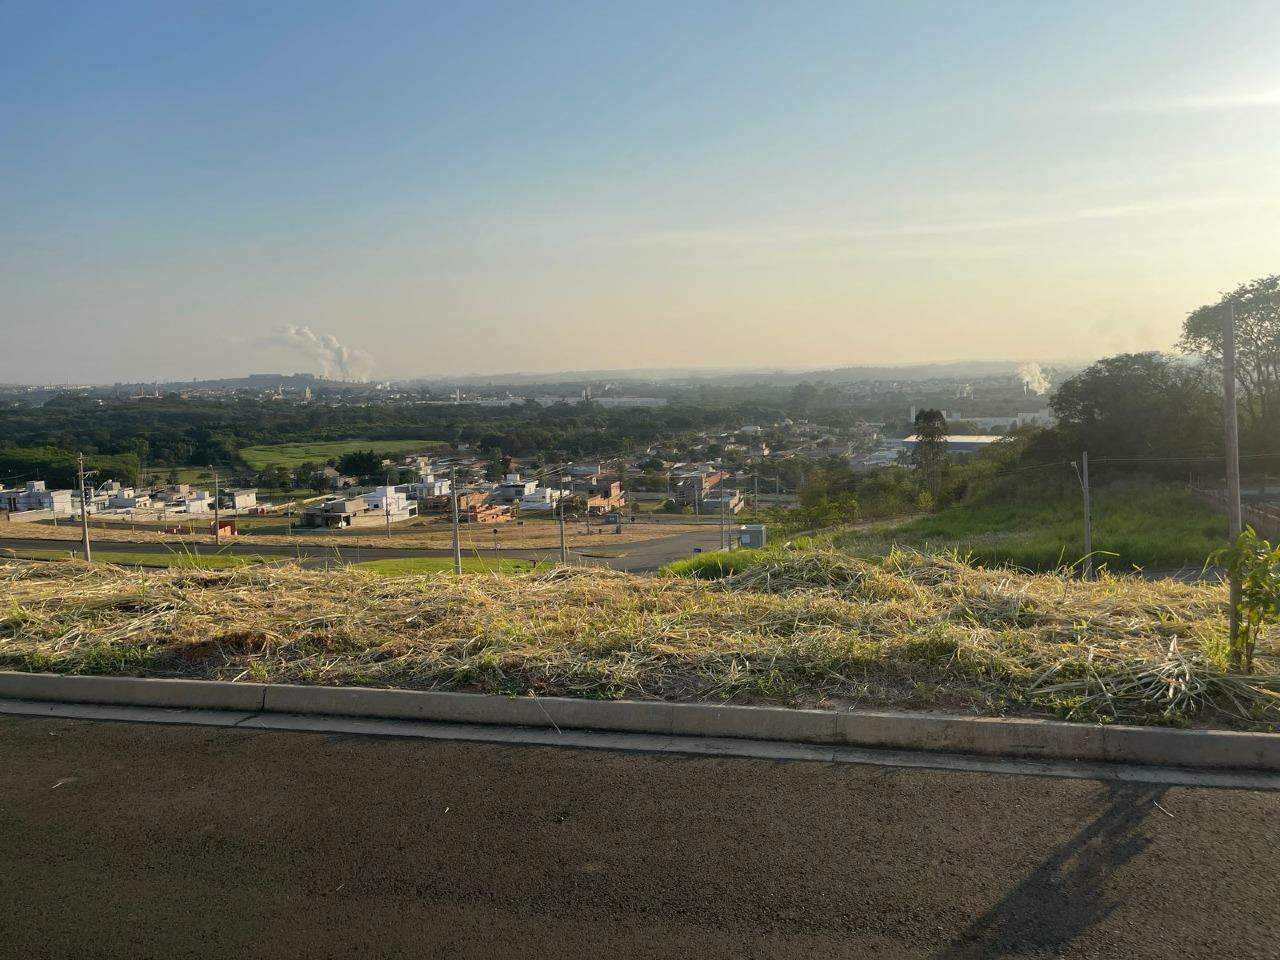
[(129, 840), (637, 557)]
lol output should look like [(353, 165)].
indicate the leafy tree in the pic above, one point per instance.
[(364, 464), (1256, 563), (1146, 405), (929, 456), (1256, 307)]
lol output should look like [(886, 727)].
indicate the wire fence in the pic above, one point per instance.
[(1264, 518)]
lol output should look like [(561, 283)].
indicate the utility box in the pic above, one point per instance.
[(753, 535)]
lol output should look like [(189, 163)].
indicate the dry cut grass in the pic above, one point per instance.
[(805, 629)]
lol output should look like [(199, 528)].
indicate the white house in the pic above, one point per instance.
[(512, 489), (394, 501), (35, 496), (239, 499), (429, 486), (542, 499)]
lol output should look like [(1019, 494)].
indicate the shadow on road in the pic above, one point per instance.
[(1065, 894)]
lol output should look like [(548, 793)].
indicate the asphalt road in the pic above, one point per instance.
[(637, 557), (128, 840)]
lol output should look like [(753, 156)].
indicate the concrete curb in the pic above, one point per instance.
[(980, 736)]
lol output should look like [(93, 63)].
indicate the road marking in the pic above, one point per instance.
[(647, 743)]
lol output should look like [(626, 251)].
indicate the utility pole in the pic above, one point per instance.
[(457, 540), (386, 503), (564, 547), (755, 492), (84, 509), (1088, 516), (217, 513), (723, 544), (1233, 469)]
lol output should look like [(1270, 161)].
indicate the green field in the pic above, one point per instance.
[(219, 561), (1147, 524), (295, 454), (413, 566)]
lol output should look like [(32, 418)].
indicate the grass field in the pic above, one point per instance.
[(295, 454), (799, 628), (185, 561), (416, 566), (1153, 526)]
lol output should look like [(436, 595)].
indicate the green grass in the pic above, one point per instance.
[(295, 454), (218, 561), (716, 564), (1146, 524), (414, 566)]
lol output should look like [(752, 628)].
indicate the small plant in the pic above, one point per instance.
[(1256, 563)]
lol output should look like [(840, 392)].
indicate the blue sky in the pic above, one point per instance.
[(482, 187)]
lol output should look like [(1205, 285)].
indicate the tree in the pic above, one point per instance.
[(929, 456), (1139, 405), (1257, 325), (1256, 564), (360, 463)]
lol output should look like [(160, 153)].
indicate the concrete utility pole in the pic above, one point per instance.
[(386, 503), (1088, 516), (84, 509), (755, 492), (559, 511), (1234, 512), (217, 513), (457, 539), (723, 543)]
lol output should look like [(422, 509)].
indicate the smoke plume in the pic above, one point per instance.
[(336, 360), (1033, 378)]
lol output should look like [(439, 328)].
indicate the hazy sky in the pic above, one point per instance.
[(472, 187)]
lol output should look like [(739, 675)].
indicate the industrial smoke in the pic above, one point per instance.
[(1033, 378), (335, 359)]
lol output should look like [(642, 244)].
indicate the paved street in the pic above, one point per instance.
[(130, 840), (638, 557)]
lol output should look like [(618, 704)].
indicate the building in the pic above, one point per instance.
[(336, 480), (238, 499), (542, 500), (691, 485), (484, 512), (124, 498), (960, 444), (722, 500), (183, 498), (36, 496), (646, 402), (512, 489), (334, 512), (392, 502), (429, 487)]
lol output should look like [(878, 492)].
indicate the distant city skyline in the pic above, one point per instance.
[(413, 190)]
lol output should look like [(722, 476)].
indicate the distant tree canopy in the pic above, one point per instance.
[(1140, 405), (58, 467), (1256, 308), (364, 464)]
